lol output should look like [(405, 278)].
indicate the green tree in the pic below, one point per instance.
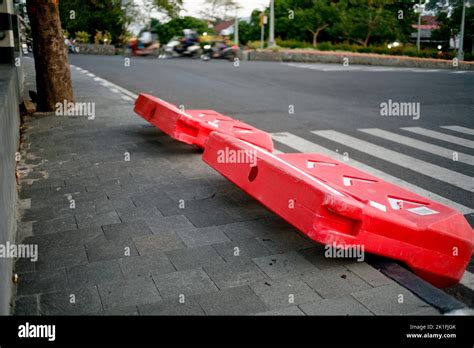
[(317, 16), (175, 27), (94, 15), (449, 17), (366, 21)]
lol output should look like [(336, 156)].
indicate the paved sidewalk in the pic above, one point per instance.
[(154, 230)]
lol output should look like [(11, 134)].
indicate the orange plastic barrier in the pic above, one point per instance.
[(337, 205)]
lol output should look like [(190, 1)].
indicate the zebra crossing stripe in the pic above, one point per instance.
[(460, 129), (440, 136), (431, 170), (303, 145), (420, 145)]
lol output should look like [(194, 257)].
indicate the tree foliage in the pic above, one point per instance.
[(175, 27), (94, 15)]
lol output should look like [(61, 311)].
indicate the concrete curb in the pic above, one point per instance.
[(310, 56)]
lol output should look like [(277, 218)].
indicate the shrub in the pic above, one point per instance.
[(293, 43), (102, 37), (82, 37), (253, 45)]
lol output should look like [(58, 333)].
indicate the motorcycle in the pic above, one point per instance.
[(136, 48), (71, 46), (219, 50), (177, 47)]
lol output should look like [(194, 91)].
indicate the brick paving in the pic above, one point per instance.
[(164, 234)]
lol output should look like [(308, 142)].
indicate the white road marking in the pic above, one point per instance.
[(460, 129), (440, 136), (420, 145), (436, 172), (303, 145), (468, 280)]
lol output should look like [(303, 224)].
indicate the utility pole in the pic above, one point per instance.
[(419, 9), (461, 36), (263, 21), (236, 34), (271, 39)]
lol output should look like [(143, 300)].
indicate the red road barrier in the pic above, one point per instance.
[(194, 126), (335, 204)]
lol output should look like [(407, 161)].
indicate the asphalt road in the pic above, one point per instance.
[(261, 93), (329, 98)]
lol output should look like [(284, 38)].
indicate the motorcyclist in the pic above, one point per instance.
[(190, 38)]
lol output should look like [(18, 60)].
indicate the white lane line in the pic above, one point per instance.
[(440, 136), (115, 90), (127, 98), (306, 146), (460, 129), (462, 181), (420, 145), (468, 280)]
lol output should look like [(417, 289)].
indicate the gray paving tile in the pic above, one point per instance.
[(236, 273), (284, 292), (119, 311), (283, 265), (390, 300), (138, 213), (172, 307), (370, 274), (335, 282), (317, 257), (169, 223), (145, 266), (126, 230), (67, 238), (291, 240), (206, 218), (97, 251), (60, 257), (94, 273), (202, 236), (233, 301), (241, 249), (78, 301), (187, 283), (26, 305), (189, 258), (41, 282), (55, 225), (340, 306), (93, 219), (152, 244), (128, 293), (284, 311)]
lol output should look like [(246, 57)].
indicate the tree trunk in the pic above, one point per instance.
[(53, 75)]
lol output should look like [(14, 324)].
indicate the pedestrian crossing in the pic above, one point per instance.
[(307, 144), (368, 68), (420, 166)]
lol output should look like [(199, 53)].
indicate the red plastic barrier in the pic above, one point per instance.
[(337, 205), (193, 126)]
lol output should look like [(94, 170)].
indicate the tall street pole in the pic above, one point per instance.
[(236, 34), (418, 37), (461, 36), (271, 39)]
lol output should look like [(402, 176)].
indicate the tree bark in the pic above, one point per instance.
[(53, 75)]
